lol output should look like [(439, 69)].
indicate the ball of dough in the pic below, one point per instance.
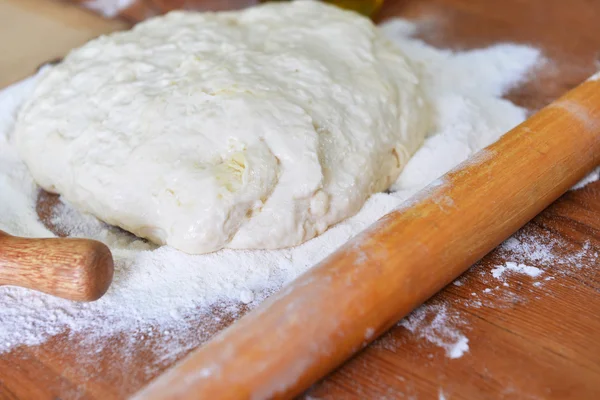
[(255, 129)]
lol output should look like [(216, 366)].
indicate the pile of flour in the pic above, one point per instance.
[(161, 288), (436, 324)]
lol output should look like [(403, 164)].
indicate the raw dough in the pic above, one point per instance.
[(251, 129)]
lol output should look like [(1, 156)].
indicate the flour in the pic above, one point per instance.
[(465, 89), (437, 325), (108, 8), (157, 291), (591, 177), (548, 252), (510, 266)]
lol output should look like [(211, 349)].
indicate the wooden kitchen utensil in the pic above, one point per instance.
[(342, 304), (75, 269)]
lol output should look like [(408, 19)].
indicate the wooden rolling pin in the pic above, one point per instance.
[(75, 269), (336, 308)]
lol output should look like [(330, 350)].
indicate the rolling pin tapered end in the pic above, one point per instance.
[(74, 269), (96, 276)]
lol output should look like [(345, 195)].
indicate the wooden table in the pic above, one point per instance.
[(528, 338)]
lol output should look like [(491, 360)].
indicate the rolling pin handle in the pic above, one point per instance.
[(74, 269)]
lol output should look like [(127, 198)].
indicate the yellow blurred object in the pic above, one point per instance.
[(365, 7)]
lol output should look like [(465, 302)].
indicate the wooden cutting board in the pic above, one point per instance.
[(525, 340)]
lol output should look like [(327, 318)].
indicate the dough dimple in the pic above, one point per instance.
[(251, 129)]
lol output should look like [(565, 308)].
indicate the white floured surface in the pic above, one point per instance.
[(546, 251), (464, 89), (162, 287), (17, 190)]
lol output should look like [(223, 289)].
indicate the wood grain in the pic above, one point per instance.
[(525, 341), (74, 269)]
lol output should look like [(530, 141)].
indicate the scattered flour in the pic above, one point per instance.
[(499, 271), (162, 292), (108, 8), (551, 256), (548, 251), (591, 177), (435, 324)]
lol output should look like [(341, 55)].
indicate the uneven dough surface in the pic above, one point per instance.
[(251, 129)]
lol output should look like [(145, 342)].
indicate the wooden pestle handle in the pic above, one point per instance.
[(336, 308), (75, 269)]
